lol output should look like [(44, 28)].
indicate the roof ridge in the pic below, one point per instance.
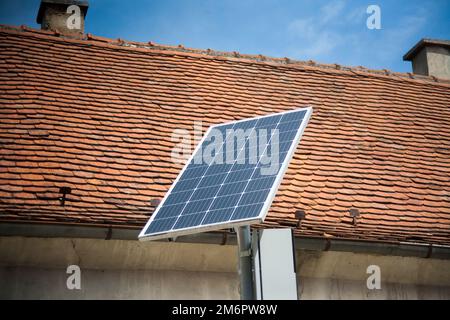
[(287, 62)]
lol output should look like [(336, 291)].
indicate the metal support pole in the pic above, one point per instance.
[(244, 240)]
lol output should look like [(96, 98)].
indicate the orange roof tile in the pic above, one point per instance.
[(97, 115)]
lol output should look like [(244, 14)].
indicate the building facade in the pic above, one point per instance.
[(87, 137)]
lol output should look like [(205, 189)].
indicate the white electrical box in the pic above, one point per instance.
[(274, 267)]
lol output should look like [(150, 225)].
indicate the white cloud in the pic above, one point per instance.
[(338, 31), (331, 11), (356, 16), (396, 38), (317, 34), (303, 28), (324, 43)]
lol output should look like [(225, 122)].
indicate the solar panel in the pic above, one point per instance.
[(232, 176)]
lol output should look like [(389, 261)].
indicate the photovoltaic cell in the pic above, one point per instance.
[(232, 176)]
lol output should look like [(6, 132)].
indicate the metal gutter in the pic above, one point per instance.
[(405, 249), (103, 232), (227, 238)]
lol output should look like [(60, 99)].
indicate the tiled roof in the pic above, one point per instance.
[(97, 115)]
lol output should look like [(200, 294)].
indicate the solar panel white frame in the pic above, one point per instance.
[(239, 222)]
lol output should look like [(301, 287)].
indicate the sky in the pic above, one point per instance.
[(324, 31)]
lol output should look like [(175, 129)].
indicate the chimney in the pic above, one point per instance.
[(430, 57), (64, 16)]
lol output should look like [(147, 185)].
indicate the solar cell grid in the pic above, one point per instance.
[(234, 184)]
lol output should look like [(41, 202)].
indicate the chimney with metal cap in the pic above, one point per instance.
[(64, 16), (430, 57)]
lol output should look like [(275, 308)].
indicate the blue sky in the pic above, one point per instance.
[(324, 31)]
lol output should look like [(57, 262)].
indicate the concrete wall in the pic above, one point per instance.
[(50, 283), (337, 289), (420, 63), (55, 18), (439, 62), (118, 269), (343, 275), (35, 268), (433, 61)]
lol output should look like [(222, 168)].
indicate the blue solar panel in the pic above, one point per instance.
[(232, 176)]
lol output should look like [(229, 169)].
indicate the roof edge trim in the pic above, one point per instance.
[(285, 62), (422, 43), (404, 249)]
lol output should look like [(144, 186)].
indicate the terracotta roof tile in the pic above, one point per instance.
[(97, 115)]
